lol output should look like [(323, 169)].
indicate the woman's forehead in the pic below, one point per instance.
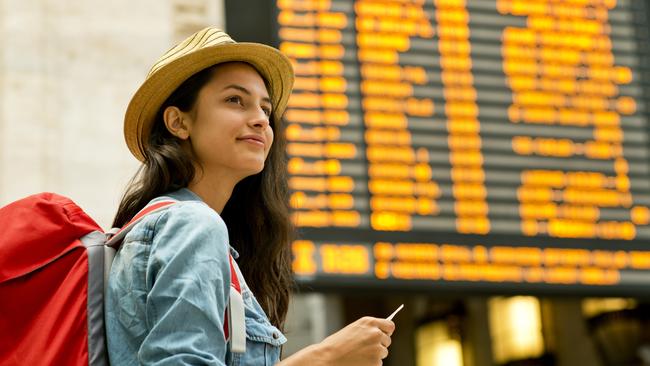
[(236, 68), (241, 74)]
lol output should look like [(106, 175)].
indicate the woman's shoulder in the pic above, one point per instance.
[(187, 222), (187, 209), (195, 212), (194, 215), (188, 229)]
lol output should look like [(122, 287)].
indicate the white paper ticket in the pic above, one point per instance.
[(390, 317)]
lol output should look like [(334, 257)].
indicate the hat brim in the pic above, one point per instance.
[(272, 65)]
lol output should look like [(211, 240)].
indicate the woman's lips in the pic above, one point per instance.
[(254, 139)]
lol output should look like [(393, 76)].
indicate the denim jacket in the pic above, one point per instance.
[(168, 289)]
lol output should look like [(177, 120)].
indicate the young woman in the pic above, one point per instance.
[(206, 125)]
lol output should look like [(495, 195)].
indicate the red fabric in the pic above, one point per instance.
[(26, 222), (226, 330), (233, 276), (47, 322), (43, 282)]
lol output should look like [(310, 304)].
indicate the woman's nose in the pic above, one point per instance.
[(260, 119)]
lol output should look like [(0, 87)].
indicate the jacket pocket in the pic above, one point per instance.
[(264, 341)]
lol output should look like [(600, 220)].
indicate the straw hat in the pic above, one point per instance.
[(201, 50)]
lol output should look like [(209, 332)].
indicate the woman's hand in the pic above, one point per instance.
[(362, 343)]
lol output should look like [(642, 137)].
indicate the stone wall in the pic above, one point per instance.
[(67, 72)]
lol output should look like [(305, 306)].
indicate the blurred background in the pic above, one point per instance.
[(484, 162)]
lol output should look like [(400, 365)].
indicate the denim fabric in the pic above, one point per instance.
[(168, 289)]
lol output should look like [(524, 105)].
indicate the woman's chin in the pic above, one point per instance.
[(253, 169)]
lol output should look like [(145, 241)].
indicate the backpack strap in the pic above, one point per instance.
[(116, 236), (235, 314)]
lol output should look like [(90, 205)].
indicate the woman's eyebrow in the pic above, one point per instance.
[(245, 91)]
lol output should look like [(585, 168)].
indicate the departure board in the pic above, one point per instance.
[(489, 145)]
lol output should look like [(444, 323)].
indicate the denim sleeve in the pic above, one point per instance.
[(188, 276)]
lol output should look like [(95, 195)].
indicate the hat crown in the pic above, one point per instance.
[(206, 48), (206, 37)]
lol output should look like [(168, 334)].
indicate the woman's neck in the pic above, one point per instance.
[(214, 191)]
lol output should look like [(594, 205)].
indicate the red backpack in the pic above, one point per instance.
[(54, 262)]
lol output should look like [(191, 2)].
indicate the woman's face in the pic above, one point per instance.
[(229, 129)]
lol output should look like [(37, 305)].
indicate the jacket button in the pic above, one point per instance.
[(275, 335)]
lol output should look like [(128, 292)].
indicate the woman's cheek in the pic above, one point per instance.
[(270, 139)]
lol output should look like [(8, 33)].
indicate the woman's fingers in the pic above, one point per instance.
[(383, 353), (379, 333), (386, 326), (386, 341)]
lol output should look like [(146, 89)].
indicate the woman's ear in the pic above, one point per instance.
[(177, 122)]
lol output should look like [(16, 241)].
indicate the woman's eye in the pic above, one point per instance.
[(234, 99), (267, 111)]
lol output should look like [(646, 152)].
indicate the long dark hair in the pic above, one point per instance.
[(257, 214)]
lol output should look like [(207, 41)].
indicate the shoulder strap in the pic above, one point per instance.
[(235, 314), (118, 235)]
